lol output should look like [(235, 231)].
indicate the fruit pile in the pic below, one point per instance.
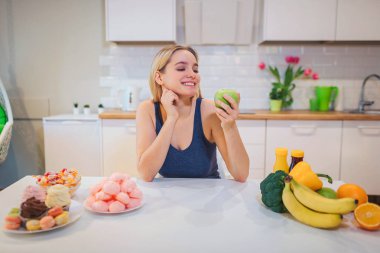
[(67, 177), (301, 193)]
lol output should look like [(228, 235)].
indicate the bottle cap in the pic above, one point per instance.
[(297, 153), (281, 151)]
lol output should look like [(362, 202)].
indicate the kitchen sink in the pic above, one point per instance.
[(365, 112)]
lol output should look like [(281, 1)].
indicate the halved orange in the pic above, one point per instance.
[(368, 216), (352, 191)]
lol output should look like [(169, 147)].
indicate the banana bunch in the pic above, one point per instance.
[(313, 209)]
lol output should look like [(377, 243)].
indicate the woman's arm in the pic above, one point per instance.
[(228, 140), (152, 148)]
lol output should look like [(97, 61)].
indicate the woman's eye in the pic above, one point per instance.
[(196, 70), (180, 69)]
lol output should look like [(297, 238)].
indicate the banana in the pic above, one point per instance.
[(317, 202), (306, 215)]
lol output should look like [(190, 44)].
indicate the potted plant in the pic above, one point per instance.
[(281, 93), (86, 109), (75, 108), (100, 108)]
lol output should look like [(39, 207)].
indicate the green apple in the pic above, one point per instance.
[(220, 93), (328, 193)]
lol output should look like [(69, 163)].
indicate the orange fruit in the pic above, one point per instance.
[(352, 191), (368, 216)]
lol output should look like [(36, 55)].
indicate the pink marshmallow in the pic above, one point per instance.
[(102, 196), (100, 206), (111, 187), (116, 207), (96, 188), (133, 203), (136, 193), (89, 201), (122, 197), (128, 185), (117, 177)]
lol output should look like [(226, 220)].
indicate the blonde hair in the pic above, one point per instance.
[(159, 64)]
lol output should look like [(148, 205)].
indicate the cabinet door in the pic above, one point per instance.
[(358, 20), (295, 20), (360, 154), (142, 20), (320, 140), (119, 147), (73, 144), (252, 132)]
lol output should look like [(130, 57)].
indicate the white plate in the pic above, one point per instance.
[(125, 211), (75, 212)]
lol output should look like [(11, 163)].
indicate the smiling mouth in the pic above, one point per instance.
[(189, 84)]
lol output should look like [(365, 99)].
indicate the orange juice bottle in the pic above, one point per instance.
[(281, 162)]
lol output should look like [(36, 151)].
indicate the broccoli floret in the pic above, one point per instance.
[(271, 191)]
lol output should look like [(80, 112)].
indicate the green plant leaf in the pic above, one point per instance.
[(275, 73)]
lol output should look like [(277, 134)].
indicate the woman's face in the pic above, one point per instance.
[(181, 74)]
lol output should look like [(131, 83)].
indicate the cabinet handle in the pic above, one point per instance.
[(130, 128), (71, 122), (304, 130), (369, 130)]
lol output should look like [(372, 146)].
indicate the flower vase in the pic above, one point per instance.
[(75, 110), (87, 111), (275, 105)]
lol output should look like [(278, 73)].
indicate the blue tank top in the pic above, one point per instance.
[(196, 161)]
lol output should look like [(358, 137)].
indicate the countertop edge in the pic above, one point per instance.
[(268, 115)]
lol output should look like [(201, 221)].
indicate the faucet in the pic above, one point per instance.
[(362, 102)]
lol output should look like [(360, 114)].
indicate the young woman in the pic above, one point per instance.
[(178, 131)]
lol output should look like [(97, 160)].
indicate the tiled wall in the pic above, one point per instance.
[(236, 67)]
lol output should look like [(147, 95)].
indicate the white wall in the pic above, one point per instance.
[(53, 53), (49, 51)]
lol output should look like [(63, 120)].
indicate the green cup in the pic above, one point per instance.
[(314, 105), (323, 94)]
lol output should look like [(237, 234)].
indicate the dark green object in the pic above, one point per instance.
[(271, 191)]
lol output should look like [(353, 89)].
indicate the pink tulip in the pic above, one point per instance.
[(315, 76), (262, 65), (296, 59), (289, 59), (307, 72)]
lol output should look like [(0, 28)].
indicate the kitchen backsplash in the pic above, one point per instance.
[(237, 67)]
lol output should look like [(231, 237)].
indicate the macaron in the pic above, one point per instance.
[(47, 222), (32, 225), (111, 187), (122, 197), (12, 222), (133, 203), (55, 211), (62, 219)]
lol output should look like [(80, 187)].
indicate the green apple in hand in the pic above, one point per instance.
[(220, 93)]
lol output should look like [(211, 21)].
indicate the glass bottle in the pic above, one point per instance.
[(297, 156), (281, 162)]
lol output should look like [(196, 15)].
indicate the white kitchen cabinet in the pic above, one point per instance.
[(298, 20), (73, 141), (320, 140), (252, 133), (360, 154), (142, 20), (119, 146), (358, 20)]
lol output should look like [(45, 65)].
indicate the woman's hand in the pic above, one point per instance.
[(228, 114), (168, 100)]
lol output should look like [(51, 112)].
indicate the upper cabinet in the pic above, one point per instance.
[(298, 20), (320, 20), (218, 21), (140, 20), (358, 20)]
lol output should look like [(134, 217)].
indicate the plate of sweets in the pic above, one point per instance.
[(118, 193), (42, 210), (67, 177)]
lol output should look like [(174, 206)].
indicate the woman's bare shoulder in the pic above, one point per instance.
[(145, 107)]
